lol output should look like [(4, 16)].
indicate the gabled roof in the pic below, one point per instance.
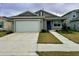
[(53, 15), (27, 13), (76, 10), (3, 17)]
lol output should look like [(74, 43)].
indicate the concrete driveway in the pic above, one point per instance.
[(19, 44)]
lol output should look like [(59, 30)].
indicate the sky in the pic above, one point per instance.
[(12, 9)]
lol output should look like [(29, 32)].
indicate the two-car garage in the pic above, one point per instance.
[(27, 25), (27, 22)]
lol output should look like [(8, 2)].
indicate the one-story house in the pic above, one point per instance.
[(72, 19), (37, 21)]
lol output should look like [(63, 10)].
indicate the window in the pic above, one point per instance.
[(73, 15), (56, 24), (1, 24)]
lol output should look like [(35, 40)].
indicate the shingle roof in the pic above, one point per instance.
[(2, 17), (76, 10), (27, 13), (53, 15)]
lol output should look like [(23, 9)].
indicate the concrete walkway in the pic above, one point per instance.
[(19, 44), (66, 46), (61, 38)]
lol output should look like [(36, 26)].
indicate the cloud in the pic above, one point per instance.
[(11, 9)]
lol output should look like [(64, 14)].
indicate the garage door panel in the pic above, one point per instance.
[(27, 26)]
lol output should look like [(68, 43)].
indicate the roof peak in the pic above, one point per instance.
[(50, 12), (70, 12), (27, 13)]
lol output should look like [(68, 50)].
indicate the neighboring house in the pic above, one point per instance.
[(5, 24), (72, 19), (35, 22)]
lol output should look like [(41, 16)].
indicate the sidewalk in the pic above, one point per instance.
[(57, 47)]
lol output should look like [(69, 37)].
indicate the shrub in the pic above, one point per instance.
[(9, 32), (2, 30), (43, 30), (56, 30)]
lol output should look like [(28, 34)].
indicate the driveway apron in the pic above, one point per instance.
[(19, 44)]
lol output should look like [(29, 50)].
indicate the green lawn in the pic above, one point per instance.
[(58, 53), (48, 38), (72, 35), (2, 34)]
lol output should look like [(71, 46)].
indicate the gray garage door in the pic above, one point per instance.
[(27, 26)]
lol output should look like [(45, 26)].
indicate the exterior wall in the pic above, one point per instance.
[(75, 25), (56, 22), (41, 13), (77, 14), (41, 21), (69, 17), (52, 24), (44, 24), (1, 20), (44, 13), (7, 25)]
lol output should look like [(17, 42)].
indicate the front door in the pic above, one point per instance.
[(48, 25)]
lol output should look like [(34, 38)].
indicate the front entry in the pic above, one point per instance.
[(48, 25)]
